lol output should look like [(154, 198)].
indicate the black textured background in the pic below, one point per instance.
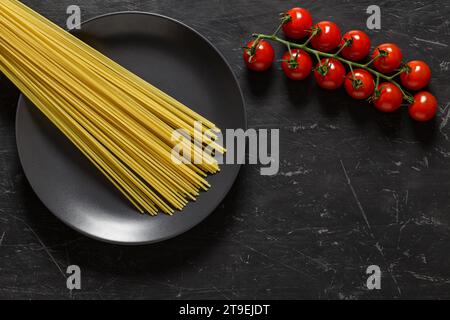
[(355, 187)]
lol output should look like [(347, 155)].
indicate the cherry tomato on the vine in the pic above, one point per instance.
[(359, 45), (298, 23), (359, 84), (260, 57), (416, 76), (424, 106), (330, 73), (389, 57), (297, 65), (388, 98), (328, 36)]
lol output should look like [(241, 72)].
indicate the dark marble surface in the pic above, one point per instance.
[(355, 187)]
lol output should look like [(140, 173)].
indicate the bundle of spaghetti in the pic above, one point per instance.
[(121, 123)]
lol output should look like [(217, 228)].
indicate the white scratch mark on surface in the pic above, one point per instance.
[(40, 242), (363, 213), (361, 209), (297, 128), (431, 42), (2, 237), (428, 278), (400, 233), (406, 198), (221, 293), (442, 152), (392, 172), (294, 173), (389, 267), (397, 211), (423, 258), (52, 258), (275, 261), (426, 162), (390, 270), (325, 266)]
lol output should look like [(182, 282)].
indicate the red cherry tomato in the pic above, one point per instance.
[(424, 106), (299, 24), (389, 97), (260, 58), (330, 74), (359, 46), (360, 84), (417, 76), (391, 61), (298, 65), (328, 37)]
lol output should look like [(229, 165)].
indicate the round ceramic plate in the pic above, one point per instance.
[(179, 61)]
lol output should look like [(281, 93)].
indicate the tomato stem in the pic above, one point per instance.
[(289, 49), (318, 58), (372, 60), (278, 29), (285, 18), (351, 69), (314, 32), (397, 74), (345, 44), (252, 49), (407, 96)]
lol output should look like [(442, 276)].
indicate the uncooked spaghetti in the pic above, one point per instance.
[(121, 123)]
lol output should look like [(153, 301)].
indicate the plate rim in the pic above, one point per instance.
[(226, 190)]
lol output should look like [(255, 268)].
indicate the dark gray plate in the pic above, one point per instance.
[(176, 59)]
